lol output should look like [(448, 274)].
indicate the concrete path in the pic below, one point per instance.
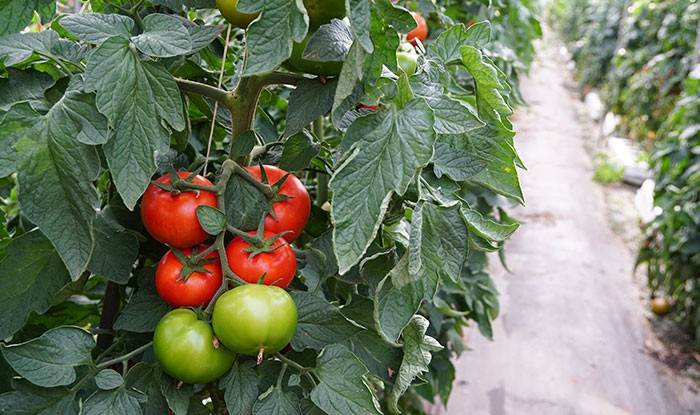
[(570, 337)]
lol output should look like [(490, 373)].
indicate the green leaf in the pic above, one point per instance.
[(451, 116), (445, 49), (276, 402), (320, 323), (349, 90), (308, 101), (17, 123), (56, 174), (50, 360), (330, 43), (142, 313), (115, 402), (178, 396), (241, 387), (395, 307), (269, 38), (17, 14), (438, 244), (163, 37), (115, 251), (486, 228), (31, 274), (25, 86), (388, 148), (343, 389), (145, 378), (380, 357), (359, 14), (19, 47), (486, 156), (137, 97), (202, 36), (212, 220), (32, 400), (417, 356), (245, 204), (97, 27), (298, 152), (491, 84), (243, 144), (108, 379)]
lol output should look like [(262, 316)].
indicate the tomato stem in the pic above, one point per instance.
[(261, 352), (303, 370), (204, 90), (127, 356)]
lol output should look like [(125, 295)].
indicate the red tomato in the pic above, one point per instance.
[(292, 214), (420, 32), (172, 218), (197, 290), (279, 266)]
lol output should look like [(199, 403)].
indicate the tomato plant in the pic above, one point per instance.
[(195, 286), (255, 319), (171, 216), (420, 32), (288, 215), (278, 266), (184, 348), (391, 211)]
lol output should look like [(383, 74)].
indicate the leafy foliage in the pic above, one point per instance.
[(392, 264), (672, 247)]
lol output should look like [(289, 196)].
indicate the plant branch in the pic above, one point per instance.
[(303, 370), (204, 90), (127, 356)]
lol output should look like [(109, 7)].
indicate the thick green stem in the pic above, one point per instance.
[(321, 178), (244, 102), (204, 90)]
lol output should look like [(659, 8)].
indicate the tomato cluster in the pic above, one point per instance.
[(249, 319)]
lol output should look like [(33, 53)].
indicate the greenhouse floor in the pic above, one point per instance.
[(573, 334)]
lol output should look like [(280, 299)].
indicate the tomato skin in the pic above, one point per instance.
[(322, 11), (660, 306), (408, 62), (199, 288), (369, 107), (172, 219), (250, 317), (183, 348), (420, 32), (292, 214), (229, 10), (279, 266)]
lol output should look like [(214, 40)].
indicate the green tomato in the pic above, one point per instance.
[(408, 62), (252, 319), (230, 12), (183, 347), (298, 64), (322, 11)]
